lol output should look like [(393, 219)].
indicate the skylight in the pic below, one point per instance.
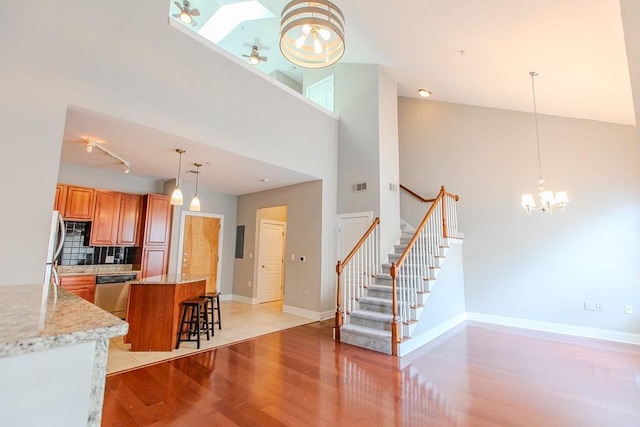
[(229, 16)]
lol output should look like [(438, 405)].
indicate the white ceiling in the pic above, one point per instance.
[(464, 51), (152, 155), (476, 53)]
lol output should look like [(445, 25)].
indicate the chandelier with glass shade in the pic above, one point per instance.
[(548, 199), (312, 33)]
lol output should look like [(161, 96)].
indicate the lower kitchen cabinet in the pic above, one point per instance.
[(82, 286)]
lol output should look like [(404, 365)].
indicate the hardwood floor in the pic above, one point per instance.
[(475, 375)]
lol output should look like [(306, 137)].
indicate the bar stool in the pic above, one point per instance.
[(194, 312), (213, 304)]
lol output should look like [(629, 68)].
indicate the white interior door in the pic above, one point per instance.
[(351, 227), (321, 92), (271, 260)]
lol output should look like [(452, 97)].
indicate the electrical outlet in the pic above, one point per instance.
[(628, 309), (598, 307), (249, 283), (293, 257), (589, 306)]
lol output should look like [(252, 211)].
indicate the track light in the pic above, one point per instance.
[(88, 147)]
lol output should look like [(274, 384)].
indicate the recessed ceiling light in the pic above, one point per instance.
[(265, 180), (424, 93)]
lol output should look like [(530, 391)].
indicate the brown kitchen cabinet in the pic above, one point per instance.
[(104, 227), (116, 218), (153, 255), (154, 261), (60, 199), (79, 203), (129, 220), (157, 226), (82, 286)]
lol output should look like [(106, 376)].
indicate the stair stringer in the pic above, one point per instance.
[(445, 307)]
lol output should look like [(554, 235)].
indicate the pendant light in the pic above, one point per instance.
[(176, 196), (312, 33), (195, 202)]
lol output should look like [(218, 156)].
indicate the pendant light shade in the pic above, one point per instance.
[(195, 202), (176, 197), (312, 33)]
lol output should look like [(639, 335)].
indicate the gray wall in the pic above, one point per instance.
[(543, 267), (303, 281)]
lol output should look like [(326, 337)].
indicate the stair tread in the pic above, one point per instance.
[(373, 315), (376, 300), (363, 330)]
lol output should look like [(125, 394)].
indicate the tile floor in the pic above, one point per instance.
[(239, 322)]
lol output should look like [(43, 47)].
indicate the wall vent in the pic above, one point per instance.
[(359, 188)]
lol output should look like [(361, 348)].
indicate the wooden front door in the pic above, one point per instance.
[(200, 243)]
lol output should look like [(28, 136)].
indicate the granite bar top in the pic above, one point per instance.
[(170, 279), (27, 325)]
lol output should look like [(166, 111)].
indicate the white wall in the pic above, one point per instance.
[(542, 267), (132, 66)]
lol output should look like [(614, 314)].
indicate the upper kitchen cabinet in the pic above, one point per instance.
[(61, 197), (79, 203), (157, 220), (116, 219), (130, 213)]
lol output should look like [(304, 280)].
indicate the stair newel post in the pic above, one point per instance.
[(393, 271), (339, 317), (443, 194)]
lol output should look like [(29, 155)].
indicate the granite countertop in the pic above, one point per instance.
[(170, 279), (66, 319), (98, 269), (99, 273)]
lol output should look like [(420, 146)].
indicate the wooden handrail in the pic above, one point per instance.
[(340, 266), (422, 199), (416, 195)]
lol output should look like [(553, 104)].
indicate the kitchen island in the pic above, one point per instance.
[(154, 309), (53, 356)]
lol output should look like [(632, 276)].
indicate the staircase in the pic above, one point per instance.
[(368, 315)]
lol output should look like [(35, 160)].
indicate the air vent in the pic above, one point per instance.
[(359, 188)]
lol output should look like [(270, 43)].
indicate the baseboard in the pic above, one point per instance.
[(241, 298), (315, 315), (558, 328), (418, 341)]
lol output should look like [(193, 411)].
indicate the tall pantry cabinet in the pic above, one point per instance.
[(153, 254)]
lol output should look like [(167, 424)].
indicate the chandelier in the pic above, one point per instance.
[(312, 33), (548, 200)]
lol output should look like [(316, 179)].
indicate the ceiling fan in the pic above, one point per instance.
[(255, 58), (186, 13)]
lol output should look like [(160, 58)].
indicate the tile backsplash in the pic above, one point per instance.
[(76, 249)]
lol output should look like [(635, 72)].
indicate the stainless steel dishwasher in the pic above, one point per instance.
[(112, 293)]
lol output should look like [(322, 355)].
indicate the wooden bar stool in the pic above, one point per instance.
[(194, 313), (213, 307)]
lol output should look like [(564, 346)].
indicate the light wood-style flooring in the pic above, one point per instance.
[(474, 375)]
